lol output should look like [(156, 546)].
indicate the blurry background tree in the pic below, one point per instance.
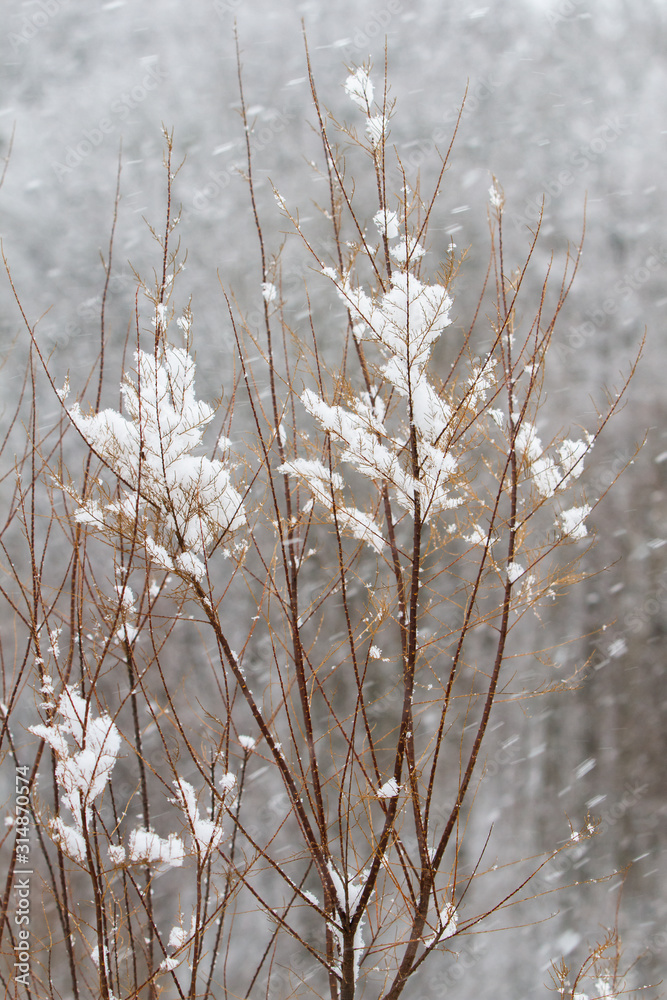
[(563, 99)]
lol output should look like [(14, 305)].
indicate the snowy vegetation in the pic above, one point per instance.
[(268, 634)]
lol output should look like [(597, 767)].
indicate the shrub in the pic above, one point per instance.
[(265, 671)]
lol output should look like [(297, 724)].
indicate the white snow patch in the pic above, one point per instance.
[(389, 790), (572, 521), (359, 88)]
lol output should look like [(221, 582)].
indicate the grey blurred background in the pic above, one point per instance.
[(566, 98)]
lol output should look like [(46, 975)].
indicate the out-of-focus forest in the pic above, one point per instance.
[(565, 102)]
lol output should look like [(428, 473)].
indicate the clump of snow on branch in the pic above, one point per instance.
[(407, 250), (359, 88), (347, 897), (168, 964), (269, 291), (54, 647), (179, 936), (117, 854), (572, 521), (496, 196), (547, 475), (387, 222), (477, 536), (514, 571), (228, 781), (206, 834), (389, 790), (448, 920), (404, 319), (403, 322), (127, 632), (69, 839), (376, 129), (86, 750), (323, 483), (146, 846), (326, 487), (177, 504)]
